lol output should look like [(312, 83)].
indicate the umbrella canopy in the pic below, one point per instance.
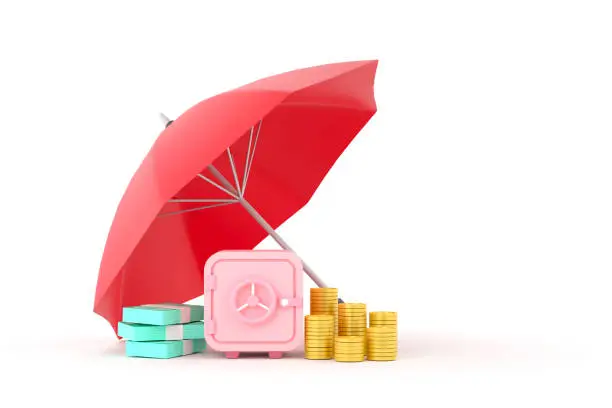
[(224, 175)]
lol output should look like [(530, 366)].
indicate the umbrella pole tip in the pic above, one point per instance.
[(166, 120)]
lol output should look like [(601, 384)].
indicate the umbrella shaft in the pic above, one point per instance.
[(264, 224)]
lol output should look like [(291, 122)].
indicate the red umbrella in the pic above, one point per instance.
[(224, 175)]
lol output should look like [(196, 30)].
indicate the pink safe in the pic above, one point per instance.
[(253, 302)]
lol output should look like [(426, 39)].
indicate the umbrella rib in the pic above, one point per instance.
[(248, 173), (196, 209), (246, 162), (201, 200), (231, 160), (218, 186)]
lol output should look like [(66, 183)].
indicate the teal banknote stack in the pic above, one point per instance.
[(163, 330)]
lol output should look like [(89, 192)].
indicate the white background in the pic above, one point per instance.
[(490, 230)]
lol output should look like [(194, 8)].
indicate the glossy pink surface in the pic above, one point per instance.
[(253, 302)]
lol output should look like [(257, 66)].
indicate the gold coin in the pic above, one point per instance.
[(348, 354), (317, 318), (353, 349), (381, 340), (381, 337), (319, 343), (349, 359), (379, 324), (319, 339), (324, 294), (378, 353), (319, 356), (349, 345), (379, 347), (382, 358), (382, 345), (391, 332), (349, 339), (383, 315), (381, 331)]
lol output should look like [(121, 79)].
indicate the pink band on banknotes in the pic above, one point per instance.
[(174, 332), (187, 347)]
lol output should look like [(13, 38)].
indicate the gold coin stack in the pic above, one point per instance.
[(324, 301), (384, 319), (352, 320), (319, 337), (382, 344), (349, 349)]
